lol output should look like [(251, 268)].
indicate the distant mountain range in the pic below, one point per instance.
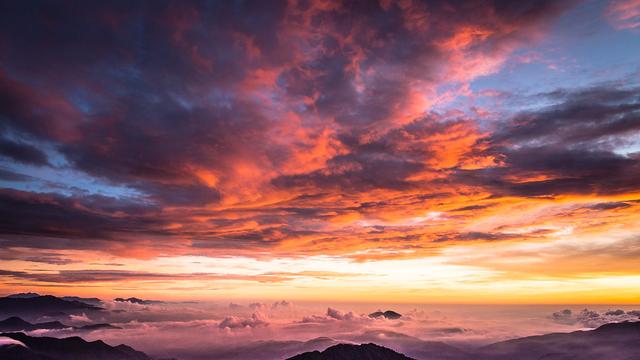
[(614, 341), (71, 348), (32, 306), (27, 295), (90, 301), (15, 323)]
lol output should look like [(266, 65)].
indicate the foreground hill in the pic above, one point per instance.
[(71, 348), (348, 352), (411, 346)]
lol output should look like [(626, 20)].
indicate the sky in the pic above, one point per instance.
[(366, 151)]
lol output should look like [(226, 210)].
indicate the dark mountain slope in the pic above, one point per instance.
[(36, 306), (15, 323), (71, 348), (351, 352), (615, 341), (411, 346)]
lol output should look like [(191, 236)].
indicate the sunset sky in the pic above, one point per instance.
[(358, 151)]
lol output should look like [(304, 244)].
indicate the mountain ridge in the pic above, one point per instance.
[(613, 341), (368, 351), (16, 323), (36, 306), (69, 348)]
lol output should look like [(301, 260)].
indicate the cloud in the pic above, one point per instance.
[(232, 322), (571, 147), (5, 341), (592, 319), (75, 319), (22, 152), (473, 236), (99, 276), (282, 304), (564, 316), (339, 315), (12, 176), (312, 100), (624, 14), (610, 205), (333, 314), (212, 329), (258, 306)]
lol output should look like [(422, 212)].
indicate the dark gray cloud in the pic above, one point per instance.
[(609, 205), (577, 144), (22, 152), (49, 215)]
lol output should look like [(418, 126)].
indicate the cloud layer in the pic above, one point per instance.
[(301, 128)]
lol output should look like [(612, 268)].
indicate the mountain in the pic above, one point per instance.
[(36, 306), (389, 314), (15, 323), (23, 295), (90, 301), (71, 348), (410, 346), (349, 352), (28, 295), (614, 341), (271, 349), (135, 300)]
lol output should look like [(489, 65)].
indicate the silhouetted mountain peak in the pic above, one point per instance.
[(135, 300), (389, 314), (90, 301), (46, 300), (15, 323), (26, 295), (348, 351), (627, 327), (32, 308)]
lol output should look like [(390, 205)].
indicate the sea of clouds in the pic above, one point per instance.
[(273, 330)]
